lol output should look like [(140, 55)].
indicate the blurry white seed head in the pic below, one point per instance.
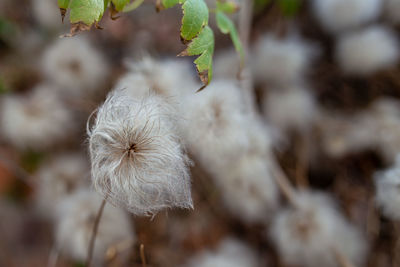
[(59, 177), (392, 10), (75, 65), (387, 196), (307, 235), (292, 108), (37, 120), (136, 155), (340, 15), (367, 51), (248, 189), (213, 125), (230, 253), (169, 78), (281, 61), (74, 226)]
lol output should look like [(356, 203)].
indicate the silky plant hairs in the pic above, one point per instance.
[(137, 159)]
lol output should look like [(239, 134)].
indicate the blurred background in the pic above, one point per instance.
[(323, 80)]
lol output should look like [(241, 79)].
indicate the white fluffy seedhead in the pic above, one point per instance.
[(248, 189), (387, 195), (370, 50), (375, 128), (290, 108), (392, 10), (59, 177), (75, 66), (136, 154), (214, 122), (341, 15), (37, 120), (281, 62), (169, 78), (230, 253), (309, 234), (75, 222)]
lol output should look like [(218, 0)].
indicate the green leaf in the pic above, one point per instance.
[(226, 26), (202, 45), (106, 3), (86, 11), (289, 7), (132, 6), (169, 3), (120, 4), (63, 4), (195, 17), (227, 7)]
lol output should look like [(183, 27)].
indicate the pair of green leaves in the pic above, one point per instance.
[(194, 30)]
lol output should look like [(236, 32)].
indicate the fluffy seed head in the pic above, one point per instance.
[(136, 154), (74, 226), (37, 120), (290, 108), (213, 127), (341, 15), (248, 189), (59, 177), (370, 50), (307, 235), (387, 185), (169, 78), (281, 61), (75, 66), (230, 253)]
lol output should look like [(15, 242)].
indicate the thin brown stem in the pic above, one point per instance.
[(142, 255), (246, 80), (94, 233), (280, 178)]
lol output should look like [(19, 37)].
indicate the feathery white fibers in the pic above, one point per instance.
[(60, 176), (392, 10), (75, 221), (248, 189), (37, 120), (167, 78), (136, 154), (281, 61), (230, 253), (47, 13), (75, 66), (387, 195), (214, 122), (291, 108), (367, 51), (341, 15), (307, 235)]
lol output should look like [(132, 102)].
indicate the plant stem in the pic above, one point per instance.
[(94, 233), (142, 256)]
